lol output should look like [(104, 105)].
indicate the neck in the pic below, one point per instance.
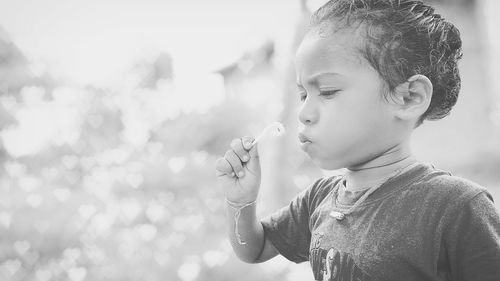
[(378, 169)]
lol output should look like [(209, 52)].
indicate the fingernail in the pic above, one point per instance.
[(245, 158), (240, 174)]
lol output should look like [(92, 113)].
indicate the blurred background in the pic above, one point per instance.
[(112, 114)]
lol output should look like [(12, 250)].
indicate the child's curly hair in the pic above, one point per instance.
[(404, 38)]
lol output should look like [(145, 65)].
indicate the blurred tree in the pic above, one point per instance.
[(284, 183), (488, 34)]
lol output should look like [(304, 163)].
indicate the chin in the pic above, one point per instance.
[(329, 164)]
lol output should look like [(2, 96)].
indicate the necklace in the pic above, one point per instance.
[(341, 215)]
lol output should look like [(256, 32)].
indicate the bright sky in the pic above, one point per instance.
[(97, 42), (91, 41)]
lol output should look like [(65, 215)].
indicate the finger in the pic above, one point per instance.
[(241, 152), (222, 167), (235, 162), (247, 142)]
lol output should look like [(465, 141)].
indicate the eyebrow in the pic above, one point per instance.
[(313, 77)]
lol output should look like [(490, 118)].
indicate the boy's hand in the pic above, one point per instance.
[(238, 172)]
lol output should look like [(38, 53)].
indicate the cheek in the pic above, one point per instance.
[(356, 126), (369, 113), (352, 117)]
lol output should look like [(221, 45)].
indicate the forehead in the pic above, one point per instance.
[(337, 52)]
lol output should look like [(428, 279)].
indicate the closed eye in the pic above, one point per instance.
[(325, 93), (302, 96), (328, 93)]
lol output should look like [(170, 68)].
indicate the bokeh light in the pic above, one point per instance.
[(112, 114)]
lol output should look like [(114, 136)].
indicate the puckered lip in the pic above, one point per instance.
[(303, 138)]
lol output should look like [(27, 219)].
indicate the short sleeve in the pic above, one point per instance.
[(288, 228), (473, 241)]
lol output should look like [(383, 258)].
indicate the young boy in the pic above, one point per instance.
[(369, 73)]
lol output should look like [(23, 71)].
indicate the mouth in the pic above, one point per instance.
[(304, 139)]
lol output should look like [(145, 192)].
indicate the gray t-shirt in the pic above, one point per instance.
[(424, 224)]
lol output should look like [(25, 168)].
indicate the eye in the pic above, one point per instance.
[(328, 93), (302, 96)]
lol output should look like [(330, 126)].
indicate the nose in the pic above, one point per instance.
[(308, 113)]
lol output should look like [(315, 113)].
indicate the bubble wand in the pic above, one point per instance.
[(275, 128)]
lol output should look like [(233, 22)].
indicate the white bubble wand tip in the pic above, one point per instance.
[(275, 128)]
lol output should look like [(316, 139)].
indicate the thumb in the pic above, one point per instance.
[(254, 151), (253, 165)]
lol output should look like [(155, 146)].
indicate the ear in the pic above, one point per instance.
[(412, 97)]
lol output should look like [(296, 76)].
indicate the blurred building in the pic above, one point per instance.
[(253, 64), (13, 65), (160, 69)]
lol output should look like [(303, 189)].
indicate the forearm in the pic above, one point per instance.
[(246, 233)]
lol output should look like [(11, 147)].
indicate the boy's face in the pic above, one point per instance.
[(342, 111)]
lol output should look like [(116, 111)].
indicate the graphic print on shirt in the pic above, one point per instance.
[(333, 265)]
